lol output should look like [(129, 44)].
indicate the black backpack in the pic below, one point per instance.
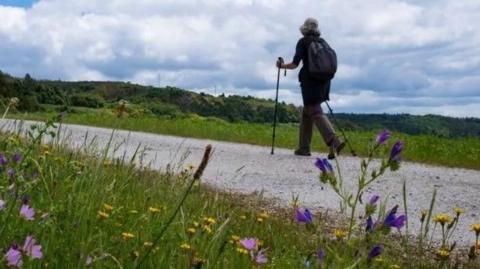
[(322, 60)]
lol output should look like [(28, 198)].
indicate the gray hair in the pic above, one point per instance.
[(310, 27)]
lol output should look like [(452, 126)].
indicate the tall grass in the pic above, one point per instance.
[(96, 212)]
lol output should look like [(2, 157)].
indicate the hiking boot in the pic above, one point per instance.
[(335, 150), (302, 152)]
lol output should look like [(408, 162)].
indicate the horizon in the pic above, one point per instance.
[(233, 94), (436, 73)]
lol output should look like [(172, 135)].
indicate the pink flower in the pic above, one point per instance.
[(14, 257), (32, 250), (2, 204), (249, 243), (27, 212)]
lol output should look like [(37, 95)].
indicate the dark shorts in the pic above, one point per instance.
[(312, 96)]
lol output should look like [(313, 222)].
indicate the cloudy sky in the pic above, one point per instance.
[(395, 56)]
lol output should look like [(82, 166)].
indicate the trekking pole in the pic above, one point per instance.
[(352, 151), (280, 59)]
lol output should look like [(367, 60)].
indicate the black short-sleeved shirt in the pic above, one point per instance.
[(313, 91)]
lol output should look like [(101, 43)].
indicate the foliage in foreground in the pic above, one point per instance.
[(64, 209)]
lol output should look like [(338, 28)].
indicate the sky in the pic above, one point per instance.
[(395, 56)]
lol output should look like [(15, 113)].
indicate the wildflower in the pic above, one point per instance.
[(207, 229), (320, 255), (443, 254), (185, 247), (3, 160), (147, 244), (133, 211), (107, 207), (13, 102), (127, 236), (243, 217), (88, 260), (393, 221), (396, 151), (102, 215), (242, 251), (191, 231), (476, 228), (14, 256), (259, 220), (209, 221), (459, 211), (196, 224), (2, 204), (374, 252), (339, 234), (10, 172), (303, 217), (263, 215), (324, 165), (374, 199), (249, 243), (32, 250), (443, 219), (17, 157), (423, 215), (235, 238), (27, 212), (260, 258), (382, 137), (370, 224), (154, 210)]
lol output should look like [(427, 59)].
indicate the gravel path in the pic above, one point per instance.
[(247, 169)]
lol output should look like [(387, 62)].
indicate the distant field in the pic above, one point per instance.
[(464, 152)]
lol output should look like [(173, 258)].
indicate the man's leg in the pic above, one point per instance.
[(323, 125)]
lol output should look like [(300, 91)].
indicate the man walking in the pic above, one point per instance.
[(314, 92)]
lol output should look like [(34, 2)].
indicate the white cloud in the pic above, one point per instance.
[(394, 51)]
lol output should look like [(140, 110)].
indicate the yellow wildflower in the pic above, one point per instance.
[(102, 215), (107, 207), (207, 229), (263, 215), (185, 247), (259, 220), (476, 228), (196, 224), (191, 231), (443, 219), (235, 238), (209, 221), (133, 211), (243, 217), (242, 251), (459, 211), (339, 234), (443, 254), (127, 236), (147, 244), (107, 163), (154, 209)]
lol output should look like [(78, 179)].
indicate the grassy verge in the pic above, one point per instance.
[(427, 149), (87, 211)]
